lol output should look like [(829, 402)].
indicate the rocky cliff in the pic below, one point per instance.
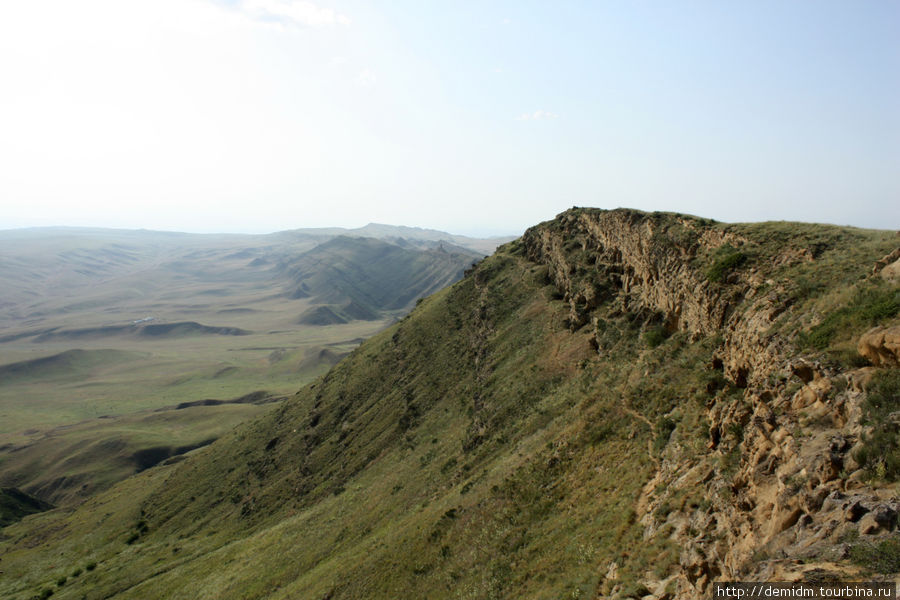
[(793, 496)]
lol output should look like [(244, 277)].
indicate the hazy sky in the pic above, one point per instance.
[(473, 117)]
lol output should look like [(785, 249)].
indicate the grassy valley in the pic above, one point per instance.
[(101, 329)]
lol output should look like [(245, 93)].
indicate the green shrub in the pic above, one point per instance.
[(633, 589), (868, 307), (880, 450), (664, 428), (736, 430), (725, 260), (655, 336), (663, 510), (881, 557), (90, 566)]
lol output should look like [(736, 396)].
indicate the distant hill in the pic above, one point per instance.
[(71, 364), (102, 323), (368, 275), (322, 315), (50, 276), (15, 504), (60, 269), (395, 232)]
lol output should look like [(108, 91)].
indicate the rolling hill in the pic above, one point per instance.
[(368, 276), (97, 326), (215, 303), (617, 404)]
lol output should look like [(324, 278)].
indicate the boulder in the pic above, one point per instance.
[(881, 346), (888, 266), (892, 271)]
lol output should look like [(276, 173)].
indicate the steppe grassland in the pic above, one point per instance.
[(139, 374)]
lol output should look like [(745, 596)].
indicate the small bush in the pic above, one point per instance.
[(806, 287), (663, 510), (90, 566), (76, 572), (664, 428), (726, 259), (62, 581), (868, 307), (655, 336), (880, 450), (850, 358), (633, 589), (736, 430), (881, 557), (448, 466)]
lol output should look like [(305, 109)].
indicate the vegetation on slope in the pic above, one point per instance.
[(68, 464), (96, 328), (372, 275), (15, 504), (880, 452)]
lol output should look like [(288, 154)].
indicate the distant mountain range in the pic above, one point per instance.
[(99, 326), (397, 232), (40, 267)]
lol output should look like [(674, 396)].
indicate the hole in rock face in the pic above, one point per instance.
[(715, 435), (804, 372), (740, 378)]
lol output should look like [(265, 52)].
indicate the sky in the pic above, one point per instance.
[(473, 117)]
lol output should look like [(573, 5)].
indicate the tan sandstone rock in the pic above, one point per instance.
[(881, 346)]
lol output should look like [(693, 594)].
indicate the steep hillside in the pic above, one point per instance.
[(369, 276), (170, 299), (481, 246), (617, 404), (14, 504), (65, 465), (98, 327)]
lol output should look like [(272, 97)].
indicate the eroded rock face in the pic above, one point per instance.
[(647, 265), (892, 271), (797, 492), (889, 266), (881, 346)]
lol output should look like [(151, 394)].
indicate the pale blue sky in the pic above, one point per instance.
[(472, 117)]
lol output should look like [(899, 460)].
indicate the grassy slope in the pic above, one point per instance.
[(70, 354), (81, 294), (114, 376), (14, 504), (374, 275), (478, 449), (72, 462)]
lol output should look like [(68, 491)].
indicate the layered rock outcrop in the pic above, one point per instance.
[(796, 494)]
